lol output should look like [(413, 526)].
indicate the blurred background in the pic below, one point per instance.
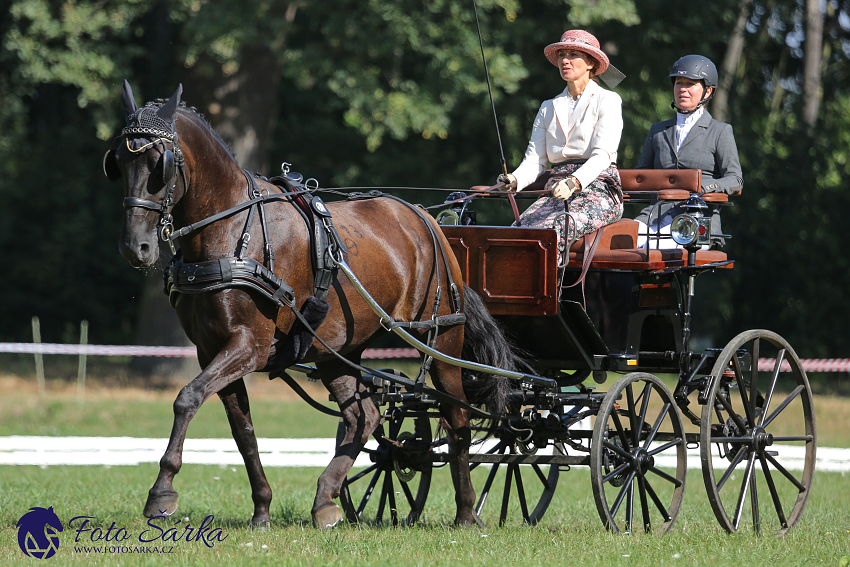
[(393, 93)]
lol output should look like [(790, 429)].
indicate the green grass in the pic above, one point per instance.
[(276, 411), (110, 412), (570, 533)]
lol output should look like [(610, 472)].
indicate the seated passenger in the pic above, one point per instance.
[(578, 132), (692, 140)]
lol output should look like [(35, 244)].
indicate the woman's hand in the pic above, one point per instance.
[(565, 188), (508, 180)]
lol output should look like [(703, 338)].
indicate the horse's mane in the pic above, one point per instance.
[(194, 111)]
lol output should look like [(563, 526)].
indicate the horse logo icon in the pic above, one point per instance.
[(38, 532)]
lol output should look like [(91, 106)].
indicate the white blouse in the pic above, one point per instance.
[(593, 127), (684, 124)]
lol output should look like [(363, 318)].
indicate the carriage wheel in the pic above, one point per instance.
[(637, 430), (394, 487), (761, 417), (535, 483)]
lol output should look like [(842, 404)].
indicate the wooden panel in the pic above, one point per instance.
[(512, 268), (462, 253), (509, 271)]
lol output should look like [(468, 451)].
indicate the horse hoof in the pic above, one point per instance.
[(327, 517), (260, 525), (162, 505), (473, 521)]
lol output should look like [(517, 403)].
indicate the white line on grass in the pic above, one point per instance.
[(117, 451)]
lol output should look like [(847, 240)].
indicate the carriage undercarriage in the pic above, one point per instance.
[(747, 407)]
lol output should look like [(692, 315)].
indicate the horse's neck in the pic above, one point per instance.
[(214, 183)]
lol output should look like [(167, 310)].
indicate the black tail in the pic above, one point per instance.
[(485, 342)]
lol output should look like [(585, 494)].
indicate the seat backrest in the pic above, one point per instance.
[(651, 180)]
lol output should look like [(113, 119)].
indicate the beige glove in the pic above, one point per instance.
[(565, 188), (509, 181)]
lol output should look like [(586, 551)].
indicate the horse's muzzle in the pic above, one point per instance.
[(140, 252)]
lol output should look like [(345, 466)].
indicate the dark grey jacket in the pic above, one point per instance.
[(709, 146)]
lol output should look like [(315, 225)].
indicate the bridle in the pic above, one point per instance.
[(146, 124)]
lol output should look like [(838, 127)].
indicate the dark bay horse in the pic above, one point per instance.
[(177, 172)]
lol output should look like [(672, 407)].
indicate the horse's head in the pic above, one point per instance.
[(147, 156)]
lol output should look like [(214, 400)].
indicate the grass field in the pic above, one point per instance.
[(570, 532)]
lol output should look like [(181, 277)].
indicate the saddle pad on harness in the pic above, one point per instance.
[(324, 238)]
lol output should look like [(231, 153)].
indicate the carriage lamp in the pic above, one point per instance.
[(458, 211), (692, 229)]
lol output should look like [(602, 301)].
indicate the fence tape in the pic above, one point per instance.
[(162, 351), (765, 364)]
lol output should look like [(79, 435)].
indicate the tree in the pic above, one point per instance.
[(812, 64), (385, 94)]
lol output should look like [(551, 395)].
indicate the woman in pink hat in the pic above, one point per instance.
[(578, 132)]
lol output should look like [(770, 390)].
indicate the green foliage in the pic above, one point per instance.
[(381, 93)]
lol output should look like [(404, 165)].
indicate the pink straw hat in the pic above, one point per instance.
[(579, 40)]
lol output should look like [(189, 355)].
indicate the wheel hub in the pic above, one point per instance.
[(761, 439), (643, 461)]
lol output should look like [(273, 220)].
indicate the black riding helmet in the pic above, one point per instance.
[(697, 68)]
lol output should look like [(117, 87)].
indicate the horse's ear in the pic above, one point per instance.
[(167, 110), (128, 99)]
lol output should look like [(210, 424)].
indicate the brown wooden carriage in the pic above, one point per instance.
[(630, 317)]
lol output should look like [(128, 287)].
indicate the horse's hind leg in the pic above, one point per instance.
[(235, 400), (456, 422), (360, 417)]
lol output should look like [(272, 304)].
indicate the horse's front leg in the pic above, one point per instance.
[(235, 399), (360, 418), (234, 361)]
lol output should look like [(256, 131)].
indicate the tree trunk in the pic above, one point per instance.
[(729, 67), (242, 107), (812, 64)]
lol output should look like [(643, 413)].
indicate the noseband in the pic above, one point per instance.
[(146, 124)]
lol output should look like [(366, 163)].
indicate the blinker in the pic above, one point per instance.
[(167, 166), (110, 167)]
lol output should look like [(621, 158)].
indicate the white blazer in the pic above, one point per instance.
[(592, 130)]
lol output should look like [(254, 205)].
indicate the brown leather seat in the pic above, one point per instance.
[(617, 250), (656, 180), (619, 235)]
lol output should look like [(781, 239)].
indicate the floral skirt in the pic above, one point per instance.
[(595, 206)]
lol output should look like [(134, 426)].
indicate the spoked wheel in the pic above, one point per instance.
[(758, 434), (638, 430), (400, 471), (529, 485)]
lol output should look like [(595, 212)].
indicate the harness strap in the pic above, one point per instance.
[(395, 379), (324, 238), (589, 251), (190, 228), (441, 321), (201, 277), (304, 395), (514, 208), (438, 249)]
